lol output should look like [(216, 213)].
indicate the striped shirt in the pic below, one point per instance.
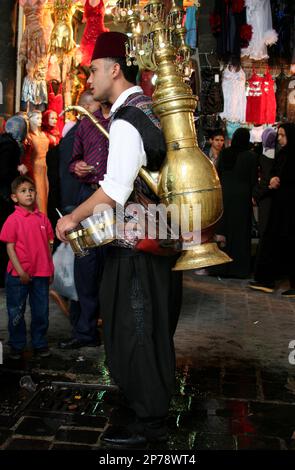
[(91, 146)]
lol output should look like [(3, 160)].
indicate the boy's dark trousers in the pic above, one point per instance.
[(16, 295)]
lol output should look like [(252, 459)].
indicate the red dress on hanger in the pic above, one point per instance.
[(94, 19), (269, 105), (56, 103), (254, 99)]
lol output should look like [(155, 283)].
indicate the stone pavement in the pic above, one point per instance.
[(235, 384)]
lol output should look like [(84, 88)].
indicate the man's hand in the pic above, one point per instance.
[(24, 278), (82, 168), (22, 169), (65, 224), (274, 183)]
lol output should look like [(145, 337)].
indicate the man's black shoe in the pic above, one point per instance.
[(122, 436), (74, 343)]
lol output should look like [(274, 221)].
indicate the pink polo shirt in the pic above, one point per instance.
[(30, 232)]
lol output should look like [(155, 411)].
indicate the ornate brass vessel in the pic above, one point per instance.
[(187, 177)]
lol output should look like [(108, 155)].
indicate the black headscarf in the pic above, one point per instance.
[(289, 128), (240, 143), (285, 157)]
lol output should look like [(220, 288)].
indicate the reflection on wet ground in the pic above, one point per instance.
[(212, 409), (235, 387)]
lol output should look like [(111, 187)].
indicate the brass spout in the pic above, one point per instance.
[(150, 178)]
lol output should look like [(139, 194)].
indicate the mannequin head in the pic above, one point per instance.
[(35, 120), (50, 118), (49, 126), (53, 118)]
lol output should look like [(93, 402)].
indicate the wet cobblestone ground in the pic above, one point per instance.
[(235, 385)]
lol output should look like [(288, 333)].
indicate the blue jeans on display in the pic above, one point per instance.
[(16, 297)]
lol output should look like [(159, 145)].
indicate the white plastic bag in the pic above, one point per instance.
[(64, 283)]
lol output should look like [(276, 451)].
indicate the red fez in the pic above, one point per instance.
[(110, 44)]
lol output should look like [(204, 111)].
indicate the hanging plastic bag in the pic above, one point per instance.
[(64, 283)]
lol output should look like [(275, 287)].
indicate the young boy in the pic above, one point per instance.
[(28, 235), (216, 142)]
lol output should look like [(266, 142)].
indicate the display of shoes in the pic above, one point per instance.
[(74, 343), (268, 288), (290, 293), (60, 301)]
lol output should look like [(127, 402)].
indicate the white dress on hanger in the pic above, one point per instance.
[(263, 34), (234, 95)]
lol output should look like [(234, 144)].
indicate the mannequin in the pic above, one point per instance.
[(49, 126), (36, 154)]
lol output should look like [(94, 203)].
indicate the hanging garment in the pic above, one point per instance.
[(234, 93), (55, 103), (34, 91), (231, 128), (283, 23), (94, 19), (254, 99), (146, 82), (282, 82), (62, 36), (263, 34), (34, 45), (38, 149), (291, 100), (256, 134), (191, 26), (268, 104), (228, 24), (53, 72), (211, 96)]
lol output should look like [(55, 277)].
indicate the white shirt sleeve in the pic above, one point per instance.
[(126, 157)]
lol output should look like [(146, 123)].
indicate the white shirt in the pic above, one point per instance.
[(126, 154), (234, 94)]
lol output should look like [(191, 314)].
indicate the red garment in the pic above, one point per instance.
[(94, 19), (30, 232), (56, 103), (269, 104), (52, 133), (26, 158), (254, 100), (146, 82)]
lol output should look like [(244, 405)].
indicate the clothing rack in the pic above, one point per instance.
[(261, 65), (207, 63)]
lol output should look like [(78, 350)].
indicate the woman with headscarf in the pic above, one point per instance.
[(261, 192), (11, 150), (237, 168), (277, 254)]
